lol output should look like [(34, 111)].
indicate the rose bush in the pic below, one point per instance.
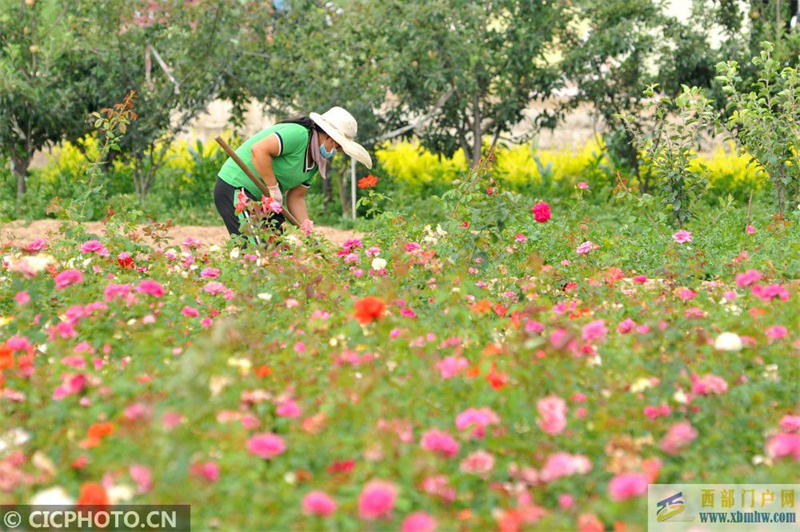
[(493, 372)]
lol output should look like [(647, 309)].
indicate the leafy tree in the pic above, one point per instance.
[(481, 63), (317, 56), (671, 150), (764, 121), (628, 45), (44, 91), (175, 54)]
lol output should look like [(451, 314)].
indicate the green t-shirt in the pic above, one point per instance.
[(293, 165)]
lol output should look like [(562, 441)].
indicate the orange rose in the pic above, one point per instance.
[(369, 309), (368, 182), (481, 306), (93, 494), (96, 433), (6, 357)]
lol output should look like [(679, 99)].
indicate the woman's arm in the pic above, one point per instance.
[(262, 153), (296, 203)]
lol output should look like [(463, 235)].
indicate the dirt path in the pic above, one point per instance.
[(21, 232)]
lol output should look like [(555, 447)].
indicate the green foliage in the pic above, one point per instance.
[(764, 121), (111, 126), (45, 93), (671, 150), (623, 47)]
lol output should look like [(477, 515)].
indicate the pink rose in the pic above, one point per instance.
[(790, 423), (94, 246), (22, 297), (36, 246), (439, 486), (560, 465), (552, 414), (150, 287), (288, 408), (67, 278), (586, 247), (318, 503), (784, 445), (141, 475), (478, 463), (208, 471), (377, 500), (439, 442), (451, 366), (113, 291), (266, 445), (627, 486), (418, 522), (747, 278), (708, 384), (478, 419), (678, 436), (682, 236), (214, 287), (776, 332), (595, 330), (626, 326)]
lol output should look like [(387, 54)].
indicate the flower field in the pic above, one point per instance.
[(534, 374)]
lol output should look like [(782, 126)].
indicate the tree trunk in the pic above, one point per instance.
[(327, 192), (19, 167), (477, 132), (344, 195)]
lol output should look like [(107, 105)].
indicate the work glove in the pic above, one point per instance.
[(275, 193), (307, 226)]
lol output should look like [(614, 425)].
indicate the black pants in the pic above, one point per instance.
[(225, 200)]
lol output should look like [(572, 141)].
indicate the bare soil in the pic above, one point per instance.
[(21, 232)]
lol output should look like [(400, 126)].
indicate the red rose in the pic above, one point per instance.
[(541, 211)]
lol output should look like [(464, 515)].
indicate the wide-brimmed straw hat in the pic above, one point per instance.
[(342, 127)]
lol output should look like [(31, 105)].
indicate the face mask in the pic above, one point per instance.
[(325, 153)]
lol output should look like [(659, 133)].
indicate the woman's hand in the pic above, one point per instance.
[(275, 193)]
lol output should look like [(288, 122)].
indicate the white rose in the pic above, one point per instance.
[(12, 439), (264, 296), (55, 496), (235, 252), (680, 397), (378, 263), (120, 493), (641, 384), (728, 341)]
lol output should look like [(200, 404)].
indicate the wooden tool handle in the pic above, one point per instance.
[(257, 181)]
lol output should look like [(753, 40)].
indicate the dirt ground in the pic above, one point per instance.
[(21, 232)]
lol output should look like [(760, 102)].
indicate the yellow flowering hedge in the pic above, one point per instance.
[(411, 166), (409, 163)]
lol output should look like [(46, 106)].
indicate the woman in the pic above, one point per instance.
[(287, 156)]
